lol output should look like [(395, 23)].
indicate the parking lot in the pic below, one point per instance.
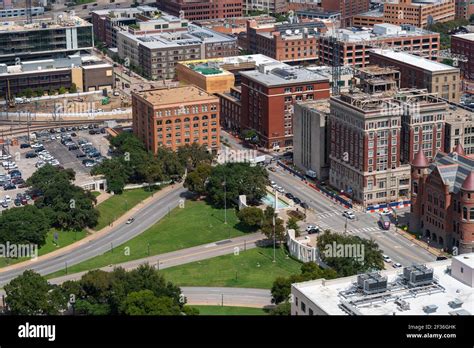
[(70, 147)]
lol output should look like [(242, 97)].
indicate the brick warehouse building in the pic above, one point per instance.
[(175, 117), (204, 9), (442, 208), (347, 8), (268, 98)]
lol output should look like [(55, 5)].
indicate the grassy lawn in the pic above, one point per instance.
[(64, 238), (96, 194), (226, 310), (253, 268), (117, 205), (195, 224)]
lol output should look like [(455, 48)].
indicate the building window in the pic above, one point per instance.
[(464, 213), (303, 307)]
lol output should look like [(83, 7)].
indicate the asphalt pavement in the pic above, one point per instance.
[(144, 219)]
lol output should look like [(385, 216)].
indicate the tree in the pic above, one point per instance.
[(281, 309), (23, 225), (144, 302), (349, 255), (39, 92), (197, 179), (273, 225), (73, 88), (239, 179), (251, 216), (62, 90), (68, 206), (28, 92), (193, 155), (292, 224), (31, 294)]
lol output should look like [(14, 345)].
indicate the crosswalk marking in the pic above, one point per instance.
[(365, 229)]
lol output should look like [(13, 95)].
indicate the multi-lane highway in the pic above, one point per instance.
[(144, 218), (328, 215)]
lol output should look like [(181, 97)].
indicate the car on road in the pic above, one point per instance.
[(129, 221), (280, 189), (296, 200), (397, 265), (289, 195), (386, 258), (304, 205), (310, 227), (349, 214), (385, 211)]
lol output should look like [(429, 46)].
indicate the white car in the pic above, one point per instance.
[(349, 214), (7, 199), (36, 145), (5, 157), (385, 211), (311, 227), (281, 189), (52, 137), (40, 164), (387, 259), (397, 265), (90, 164)]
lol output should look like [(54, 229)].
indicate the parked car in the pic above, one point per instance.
[(289, 195), (7, 199), (4, 204), (304, 205), (81, 155), (31, 154), (296, 200), (397, 265), (386, 258), (349, 214), (24, 146), (73, 147), (17, 202), (15, 174), (9, 187)]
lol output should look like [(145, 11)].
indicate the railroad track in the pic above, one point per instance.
[(43, 125)]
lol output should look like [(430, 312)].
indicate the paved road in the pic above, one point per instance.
[(240, 297), (182, 256), (144, 219), (329, 216)]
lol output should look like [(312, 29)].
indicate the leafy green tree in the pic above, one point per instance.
[(144, 302), (23, 225), (39, 92), (239, 179), (273, 225), (28, 92), (281, 309), (193, 155), (292, 224), (251, 216), (197, 179), (31, 294), (68, 206), (62, 90), (73, 88), (347, 265)]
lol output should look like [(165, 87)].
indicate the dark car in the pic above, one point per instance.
[(17, 202), (92, 132), (289, 195), (313, 230), (94, 154), (91, 126), (24, 146), (95, 126), (9, 187), (52, 130), (80, 155), (87, 161), (18, 181), (31, 154), (15, 174), (73, 147), (63, 129), (39, 149), (296, 200), (23, 201), (102, 130), (73, 135), (304, 205), (441, 258)]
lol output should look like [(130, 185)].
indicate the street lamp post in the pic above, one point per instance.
[(274, 223), (225, 201)]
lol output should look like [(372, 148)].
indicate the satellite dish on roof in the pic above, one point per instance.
[(288, 32)]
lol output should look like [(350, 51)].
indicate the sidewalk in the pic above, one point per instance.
[(97, 234), (420, 243)]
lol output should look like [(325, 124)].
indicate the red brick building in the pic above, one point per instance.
[(347, 8), (442, 208), (463, 44), (175, 117), (204, 9), (268, 95)]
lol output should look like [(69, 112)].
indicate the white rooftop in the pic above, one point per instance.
[(327, 294), (469, 36), (282, 74), (411, 59)]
